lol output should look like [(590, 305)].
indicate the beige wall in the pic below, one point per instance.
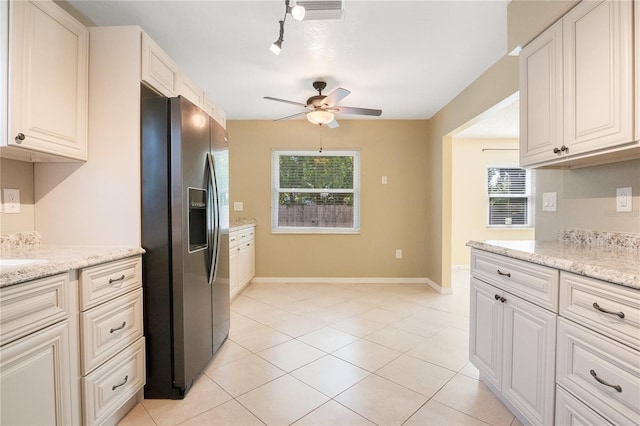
[(393, 215), (526, 18), (496, 84), (17, 174), (470, 158), (586, 199)]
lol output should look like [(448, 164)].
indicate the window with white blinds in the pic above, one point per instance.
[(315, 192), (509, 197)]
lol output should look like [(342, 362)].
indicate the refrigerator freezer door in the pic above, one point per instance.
[(192, 298)]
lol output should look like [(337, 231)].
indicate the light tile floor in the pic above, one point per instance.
[(354, 354)]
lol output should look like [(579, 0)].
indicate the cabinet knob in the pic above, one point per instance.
[(497, 297), (20, 138), (556, 150), (564, 148)]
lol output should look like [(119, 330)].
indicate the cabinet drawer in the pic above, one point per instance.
[(109, 328), (233, 239), (535, 283), (584, 357), (245, 235), (25, 308), (113, 383), (108, 280), (584, 299), (571, 411)]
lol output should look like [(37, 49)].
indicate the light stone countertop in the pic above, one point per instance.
[(56, 260), (618, 265)]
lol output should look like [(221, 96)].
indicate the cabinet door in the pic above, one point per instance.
[(234, 275), (158, 69), (35, 379), (529, 359), (598, 71), (48, 80), (190, 90), (541, 129), (485, 331)]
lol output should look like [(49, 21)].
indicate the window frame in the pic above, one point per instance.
[(276, 190), (529, 195)]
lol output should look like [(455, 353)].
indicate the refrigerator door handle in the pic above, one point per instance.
[(214, 248)]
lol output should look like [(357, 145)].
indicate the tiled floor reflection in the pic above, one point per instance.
[(350, 354)]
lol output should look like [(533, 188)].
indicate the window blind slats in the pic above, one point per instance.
[(509, 198)]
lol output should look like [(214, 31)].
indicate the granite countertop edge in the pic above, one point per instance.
[(610, 273), (60, 260)]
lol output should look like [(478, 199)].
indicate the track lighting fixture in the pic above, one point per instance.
[(297, 12)]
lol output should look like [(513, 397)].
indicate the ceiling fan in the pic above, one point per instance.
[(323, 107)]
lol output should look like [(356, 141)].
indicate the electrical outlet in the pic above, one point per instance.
[(623, 200), (398, 253), (384, 180), (11, 200), (238, 206)]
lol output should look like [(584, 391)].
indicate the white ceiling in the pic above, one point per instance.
[(408, 58)]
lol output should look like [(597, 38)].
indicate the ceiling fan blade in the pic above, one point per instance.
[(285, 101), (300, 114), (334, 97), (357, 111), (332, 124)]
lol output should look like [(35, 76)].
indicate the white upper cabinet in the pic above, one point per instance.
[(577, 88), (158, 69), (190, 90), (541, 80), (598, 70), (47, 82)]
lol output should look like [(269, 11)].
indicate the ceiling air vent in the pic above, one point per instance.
[(322, 9)]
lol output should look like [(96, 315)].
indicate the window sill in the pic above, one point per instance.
[(316, 231), (510, 228)]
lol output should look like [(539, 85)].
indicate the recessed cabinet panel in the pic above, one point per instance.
[(571, 411), (598, 71), (541, 97), (48, 82), (485, 332), (529, 358), (36, 379), (158, 69)]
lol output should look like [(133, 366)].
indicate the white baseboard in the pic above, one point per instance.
[(349, 280)]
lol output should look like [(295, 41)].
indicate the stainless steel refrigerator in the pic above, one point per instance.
[(185, 229)]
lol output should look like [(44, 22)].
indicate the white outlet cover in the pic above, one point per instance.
[(11, 200), (238, 206), (549, 201), (624, 200)]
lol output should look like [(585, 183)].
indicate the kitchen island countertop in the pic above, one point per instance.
[(604, 262)]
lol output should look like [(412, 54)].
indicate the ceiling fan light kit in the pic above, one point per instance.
[(297, 12), (323, 107)]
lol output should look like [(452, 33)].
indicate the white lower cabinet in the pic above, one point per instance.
[(512, 343), (37, 359), (111, 338), (242, 255)]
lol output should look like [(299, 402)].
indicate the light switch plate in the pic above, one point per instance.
[(549, 201), (11, 200), (624, 200), (238, 206)]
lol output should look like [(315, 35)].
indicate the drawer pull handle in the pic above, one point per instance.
[(504, 274), (115, 280), (595, 376), (124, 382), (118, 328), (620, 314)]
